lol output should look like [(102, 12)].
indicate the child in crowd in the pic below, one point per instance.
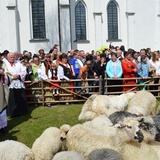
[(52, 75), (143, 70), (84, 75)]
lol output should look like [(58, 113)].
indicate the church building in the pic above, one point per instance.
[(78, 24)]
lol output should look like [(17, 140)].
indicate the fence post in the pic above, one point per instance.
[(42, 92), (106, 83), (100, 85)]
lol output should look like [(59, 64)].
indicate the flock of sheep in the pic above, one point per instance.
[(120, 127)]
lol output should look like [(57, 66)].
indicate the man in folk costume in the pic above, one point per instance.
[(17, 104), (4, 92), (129, 71)]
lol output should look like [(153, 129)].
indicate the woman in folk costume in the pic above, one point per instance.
[(65, 73), (17, 104), (52, 75), (129, 71), (4, 92), (38, 70)]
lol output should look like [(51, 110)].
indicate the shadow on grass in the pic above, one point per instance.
[(13, 122)]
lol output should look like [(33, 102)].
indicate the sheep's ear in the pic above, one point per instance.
[(140, 119), (119, 125)]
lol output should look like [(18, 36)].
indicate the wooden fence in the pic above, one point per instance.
[(41, 92), (151, 84)]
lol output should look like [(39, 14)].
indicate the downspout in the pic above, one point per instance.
[(59, 25), (70, 23)]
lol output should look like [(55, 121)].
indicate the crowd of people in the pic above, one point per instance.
[(113, 62)]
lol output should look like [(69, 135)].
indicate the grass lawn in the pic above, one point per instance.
[(27, 128)]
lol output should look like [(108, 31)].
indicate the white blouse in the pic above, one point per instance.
[(155, 65), (19, 69)]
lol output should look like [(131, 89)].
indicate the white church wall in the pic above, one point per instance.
[(51, 21), (4, 26), (139, 23)]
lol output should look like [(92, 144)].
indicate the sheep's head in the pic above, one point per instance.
[(63, 131), (149, 129), (131, 127)]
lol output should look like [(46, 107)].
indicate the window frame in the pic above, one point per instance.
[(112, 38), (39, 38), (80, 39)]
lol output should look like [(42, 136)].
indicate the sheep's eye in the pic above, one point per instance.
[(129, 127)]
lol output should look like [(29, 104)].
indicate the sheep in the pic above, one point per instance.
[(135, 151), (143, 103), (100, 123), (13, 150), (156, 147), (119, 116), (156, 119), (100, 104), (92, 108), (68, 155), (84, 140), (104, 154), (110, 111), (120, 102), (152, 127), (147, 124), (49, 142)]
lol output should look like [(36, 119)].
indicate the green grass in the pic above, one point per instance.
[(27, 128)]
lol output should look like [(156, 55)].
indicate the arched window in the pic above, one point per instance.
[(80, 21), (112, 14), (38, 19)]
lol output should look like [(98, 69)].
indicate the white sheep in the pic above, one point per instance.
[(68, 155), (101, 104), (92, 108), (143, 103), (120, 102), (49, 142), (13, 150), (84, 140), (100, 123), (135, 151), (104, 154), (156, 147)]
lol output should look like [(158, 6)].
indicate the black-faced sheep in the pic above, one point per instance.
[(49, 142), (143, 103), (104, 154), (13, 150), (84, 140), (68, 155)]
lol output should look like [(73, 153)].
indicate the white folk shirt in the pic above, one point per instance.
[(17, 68), (155, 65)]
